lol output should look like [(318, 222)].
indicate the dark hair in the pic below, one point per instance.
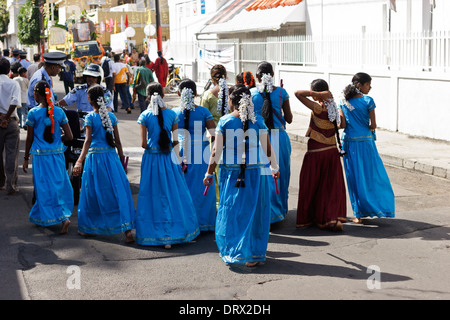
[(21, 70), (218, 72), (359, 78), (235, 97), (36, 57), (117, 57), (319, 85), (40, 89), (189, 84), (265, 67), (5, 66), (95, 92), (15, 66), (246, 78), (164, 138)]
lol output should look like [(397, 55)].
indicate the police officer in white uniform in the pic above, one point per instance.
[(93, 74)]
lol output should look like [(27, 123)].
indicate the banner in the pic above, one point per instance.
[(224, 57)]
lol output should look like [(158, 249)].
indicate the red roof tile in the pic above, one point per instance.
[(269, 4)]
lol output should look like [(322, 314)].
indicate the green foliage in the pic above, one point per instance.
[(28, 22), (4, 18)]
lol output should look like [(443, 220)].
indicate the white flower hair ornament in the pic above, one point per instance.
[(104, 116), (344, 101), (266, 83), (246, 108), (223, 96), (187, 99), (156, 102), (333, 111)]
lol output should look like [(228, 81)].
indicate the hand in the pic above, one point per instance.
[(207, 181), (326, 95), (25, 166), (77, 169), (276, 175)]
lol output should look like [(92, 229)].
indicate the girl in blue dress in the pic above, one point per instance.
[(52, 187), (165, 213), (272, 103), (195, 152), (106, 205), (369, 188), (243, 218)]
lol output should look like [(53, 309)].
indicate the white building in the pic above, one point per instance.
[(406, 51)]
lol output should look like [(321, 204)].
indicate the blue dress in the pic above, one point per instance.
[(52, 187), (198, 159), (369, 188), (281, 145), (165, 213), (106, 205), (243, 218)]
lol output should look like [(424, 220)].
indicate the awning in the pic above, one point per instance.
[(252, 15)]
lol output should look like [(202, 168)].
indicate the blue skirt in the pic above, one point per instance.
[(106, 204), (369, 188), (243, 218), (205, 206), (165, 212), (53, 190), (281, 145)]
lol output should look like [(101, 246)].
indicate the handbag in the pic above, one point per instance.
[(140, 82)]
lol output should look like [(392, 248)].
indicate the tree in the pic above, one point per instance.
[(28, 22), (4, 18)]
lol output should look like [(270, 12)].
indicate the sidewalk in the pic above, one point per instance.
[(420, 154)]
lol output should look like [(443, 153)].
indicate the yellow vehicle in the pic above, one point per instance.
[(173, 80), (85, 53)]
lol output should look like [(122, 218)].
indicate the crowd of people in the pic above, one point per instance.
[(222, 165)]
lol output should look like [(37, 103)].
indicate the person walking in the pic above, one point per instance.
[(369, 188), (161, 68), (195, 152), (165, 213), (142, 77), (68, 74), (106, 205), (23, 83), (272, 103), (32, 68), (322, 194), (54, 193), (10, 100), (121, 80), (243, 218)]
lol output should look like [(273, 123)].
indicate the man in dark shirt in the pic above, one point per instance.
[(68, 74)]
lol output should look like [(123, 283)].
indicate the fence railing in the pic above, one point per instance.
[(420, 52)]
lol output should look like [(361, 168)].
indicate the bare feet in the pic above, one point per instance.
[(65, 226), (251, 264), (338, 226), (129, 237), (167, 246), (357, 220)]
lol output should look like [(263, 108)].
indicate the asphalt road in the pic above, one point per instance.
[(402, 258)]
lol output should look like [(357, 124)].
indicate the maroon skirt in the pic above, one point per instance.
[(322, 194)]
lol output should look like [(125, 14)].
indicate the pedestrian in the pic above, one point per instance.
[(134, 56), (165, 213), (195, 151), (106, 205), (368, 184), (68, 74), (243, 218), (272, 103), (246, 78), (10, 100), (23, 83), (53, 62), (52, 187), (6, 55), (142, 77), (121, 80), (15, 55), (107, 66), (92, 75), (161, 68), (23, 59), (322, 194), (32, 68)]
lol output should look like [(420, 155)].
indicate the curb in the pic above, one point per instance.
[(409, 164)]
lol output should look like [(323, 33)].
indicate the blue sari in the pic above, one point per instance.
[(106, 205), (369, 188), (281, 145), (243, 218)]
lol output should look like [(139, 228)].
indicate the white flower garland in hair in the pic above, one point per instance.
[(333, 111), (345, 102), (156, 102), (104, 116), (187, 99), (266, 82), (246, 108), (223, 97)]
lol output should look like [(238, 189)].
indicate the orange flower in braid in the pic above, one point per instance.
[(51, 110)]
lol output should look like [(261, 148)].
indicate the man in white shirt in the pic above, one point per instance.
[(10, 99)]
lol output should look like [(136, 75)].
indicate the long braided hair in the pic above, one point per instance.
[(97, 96), (219, 75), (155, 94), (265, 73), (242, 100), (42, 88), (188, 91)]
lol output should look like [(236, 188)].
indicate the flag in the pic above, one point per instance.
[(126, 21), (115, 26), (122, 25), (102, 26), (111, 24), (149, 21), (393, 5)]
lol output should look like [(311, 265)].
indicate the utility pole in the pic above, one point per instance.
[(158, 26)]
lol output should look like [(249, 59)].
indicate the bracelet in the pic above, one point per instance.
[(274, 169), (207, 175)]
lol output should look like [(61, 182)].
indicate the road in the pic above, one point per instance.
[(406, 257)]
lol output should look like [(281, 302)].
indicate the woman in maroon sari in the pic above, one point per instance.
[(322, 195)]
